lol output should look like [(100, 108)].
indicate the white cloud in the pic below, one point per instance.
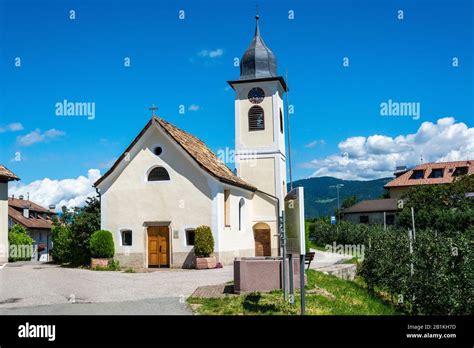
[(211, 53), (193, 107), (68, 192), (37, 136), (376, 156), (314, 143), (12, 127)]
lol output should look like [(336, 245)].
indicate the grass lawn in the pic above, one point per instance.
[(325, 295)]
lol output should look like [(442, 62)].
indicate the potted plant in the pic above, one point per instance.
[(203, 248), (102, 248)]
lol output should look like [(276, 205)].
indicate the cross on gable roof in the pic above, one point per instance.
[(195, 148)]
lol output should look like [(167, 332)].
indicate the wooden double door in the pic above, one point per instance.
[(158, 246), (262, 242)]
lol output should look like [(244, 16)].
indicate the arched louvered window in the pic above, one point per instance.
[(256, 119), (158, 174), (281, 122)]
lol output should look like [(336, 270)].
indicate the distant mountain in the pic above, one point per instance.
[(321, 199)]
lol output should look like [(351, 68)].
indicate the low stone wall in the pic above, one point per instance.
[(132, 260), (183, 260), (340, 270), (262, 274)]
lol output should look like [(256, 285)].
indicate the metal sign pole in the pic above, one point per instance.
[(302, 291), (283, 252), (291, 276)]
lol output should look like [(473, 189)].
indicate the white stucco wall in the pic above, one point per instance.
[(129, 200), (3, 222), (260, 155), (191, 198)]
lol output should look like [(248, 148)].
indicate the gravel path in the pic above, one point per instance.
[(79, 291)]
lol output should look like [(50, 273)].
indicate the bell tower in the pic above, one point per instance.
[(259, 124)]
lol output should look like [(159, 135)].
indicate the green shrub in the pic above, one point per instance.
[(203, 241), (443, 272), (20, 244), (114, 265), (306, 238), (62, 244), (102, 244), (442, 208), (345, 232), (442, 279)]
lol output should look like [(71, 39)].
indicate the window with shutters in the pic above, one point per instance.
[(227, 207), (158, 174), (256, 119)]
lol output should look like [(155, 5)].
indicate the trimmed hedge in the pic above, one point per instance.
[(102, 244), (203, 241), (442, 281), (323, 233), (443, 264)]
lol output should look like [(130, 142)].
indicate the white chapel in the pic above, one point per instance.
[(168, 182)]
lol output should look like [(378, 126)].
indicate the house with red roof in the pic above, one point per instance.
[(429, 174), (383, 211), (5, 177), (36, 219)]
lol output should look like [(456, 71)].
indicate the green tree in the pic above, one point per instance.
[(20, 244), (85, 222), (442, 208), (349, 201), (62, 243), (346, 203)]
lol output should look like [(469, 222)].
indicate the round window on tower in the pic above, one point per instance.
[(158, 150)]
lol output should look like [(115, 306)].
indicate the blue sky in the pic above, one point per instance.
[(82, 60)]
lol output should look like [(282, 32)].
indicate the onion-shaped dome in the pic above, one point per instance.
[(258, 60)]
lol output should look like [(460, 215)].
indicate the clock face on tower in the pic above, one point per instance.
[(256, 95)]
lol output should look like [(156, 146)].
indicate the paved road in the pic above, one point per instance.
[(38, 288), (323, 259)]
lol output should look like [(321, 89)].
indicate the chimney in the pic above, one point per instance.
[(13, 197), (20, 196), (52, 208), (400, 170)]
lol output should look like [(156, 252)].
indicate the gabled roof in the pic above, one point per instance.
[(24, 203), (373, 205), (196, 148), (31, 222), (449, 169), (6, 174)]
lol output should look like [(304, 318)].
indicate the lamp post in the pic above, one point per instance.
[(338, 186)]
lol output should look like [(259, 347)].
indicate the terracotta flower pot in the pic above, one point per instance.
[(206, 262), (99, 262)]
